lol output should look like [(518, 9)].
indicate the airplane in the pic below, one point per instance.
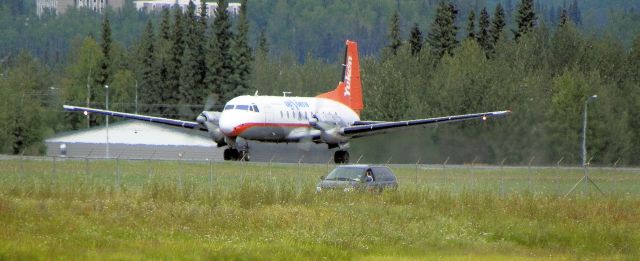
[(332, 118)]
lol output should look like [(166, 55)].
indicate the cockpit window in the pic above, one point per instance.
[(255, 108), (242, 107), (228, 107)]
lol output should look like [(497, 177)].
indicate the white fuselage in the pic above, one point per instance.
[(280, 119)]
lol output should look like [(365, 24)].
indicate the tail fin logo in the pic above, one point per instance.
[(347, 77), (349, 89)]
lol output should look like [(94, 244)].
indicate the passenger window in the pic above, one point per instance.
[(299, 115), (228, 107), (242, 107), (287, 114), (281, 114)]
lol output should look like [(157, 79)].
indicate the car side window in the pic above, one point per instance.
[(380, 174)]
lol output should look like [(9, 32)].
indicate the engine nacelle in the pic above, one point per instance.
[(210, 120)]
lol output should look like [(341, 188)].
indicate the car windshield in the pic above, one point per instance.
[(345, 174)]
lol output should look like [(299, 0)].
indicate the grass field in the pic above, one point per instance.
[(169, 210)]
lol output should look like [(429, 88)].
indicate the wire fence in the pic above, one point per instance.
[(502, 179)]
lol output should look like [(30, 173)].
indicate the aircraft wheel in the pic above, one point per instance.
[(341, 157), (231, 154)]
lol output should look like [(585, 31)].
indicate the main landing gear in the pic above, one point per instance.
[(341, 157), (235, 155)]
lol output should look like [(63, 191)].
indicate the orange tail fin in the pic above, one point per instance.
[(349, 90)]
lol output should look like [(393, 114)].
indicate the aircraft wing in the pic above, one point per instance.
[(373, 128), (171, 122)]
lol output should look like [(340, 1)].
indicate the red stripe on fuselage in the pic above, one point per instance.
[(245, 126)]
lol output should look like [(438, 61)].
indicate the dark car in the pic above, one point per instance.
[(359, 177)]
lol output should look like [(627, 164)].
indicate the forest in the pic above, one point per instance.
[(420, 59)]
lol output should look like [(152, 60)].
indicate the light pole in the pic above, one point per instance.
[(584, 129), (585, 178), (106, 87)]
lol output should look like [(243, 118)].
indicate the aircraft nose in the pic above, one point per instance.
[(229, 120)]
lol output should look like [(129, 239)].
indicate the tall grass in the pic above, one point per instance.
[(185, 210)]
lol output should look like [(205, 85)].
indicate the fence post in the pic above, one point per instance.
[(149, 166), (444, 170), (300, 174), (474, 179), (558, 175), (22, 174), (615, 179), (180, 170), (416, 175), (53, 168), (388, 161), (86, 164), (118, 172), (502, 177), (529, 172), (210, 178)]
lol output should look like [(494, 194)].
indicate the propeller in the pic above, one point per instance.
[(211, 120)]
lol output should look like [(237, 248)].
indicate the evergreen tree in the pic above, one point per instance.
[(243, 57), (525, 19), (105, 64), (484, 39), (263, 44), (192, 87), (220, 58), (442, 37), (163, 50), (563, 17), (416, 39), (394, 33), (175, 63), (497, 24), (471, 25), (574, 12), (149, 89)]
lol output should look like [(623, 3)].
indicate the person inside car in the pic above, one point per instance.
[(369, 176)]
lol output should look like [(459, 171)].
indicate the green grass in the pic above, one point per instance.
[(170, 210)]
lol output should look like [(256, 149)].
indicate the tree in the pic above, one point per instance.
[(149, 87), (78, 81), (415, 41), (525, 19), (263, 44), (394, 33), (24, 120), (105, 63), (497, 24), (442, 37), (164, 62), (471, 25), (172, 86), (220, 58), (574, 12), (243, 57), (484, 39), (563, 17), (192, 87)]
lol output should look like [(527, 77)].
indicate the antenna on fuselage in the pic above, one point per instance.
[(256, 94), (284, 94)]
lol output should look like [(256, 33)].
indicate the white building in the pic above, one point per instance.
[(158, 5), (55, 6), (61, 6)]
